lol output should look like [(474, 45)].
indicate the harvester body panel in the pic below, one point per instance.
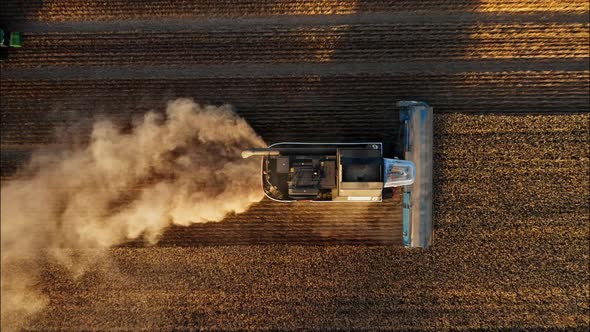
[(323, 172)]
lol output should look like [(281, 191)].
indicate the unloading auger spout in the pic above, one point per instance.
[(260, 152)]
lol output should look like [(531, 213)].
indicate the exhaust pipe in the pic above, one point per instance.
[(259, 152)]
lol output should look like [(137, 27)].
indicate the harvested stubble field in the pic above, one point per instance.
[(511, 251), (55, 10), (511, 248), (334, 43)]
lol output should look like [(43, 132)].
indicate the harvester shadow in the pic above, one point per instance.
[(297, 223)]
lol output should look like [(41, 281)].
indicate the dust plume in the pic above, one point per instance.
[(180, 167)]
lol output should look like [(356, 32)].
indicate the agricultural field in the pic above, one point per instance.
[(284, 44), (509, 84)]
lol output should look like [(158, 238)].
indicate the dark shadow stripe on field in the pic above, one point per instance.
[(208, 23), (59, 73)]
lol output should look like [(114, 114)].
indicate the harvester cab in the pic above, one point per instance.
[(10, 39), (358, 172)]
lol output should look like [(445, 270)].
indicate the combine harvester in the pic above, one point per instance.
[(358, 172)]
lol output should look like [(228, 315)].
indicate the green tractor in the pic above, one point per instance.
[(13, 39)]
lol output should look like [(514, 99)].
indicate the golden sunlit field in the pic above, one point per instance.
[(511, 250), (509, 84)]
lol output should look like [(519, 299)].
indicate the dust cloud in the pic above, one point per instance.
[(179, 168)]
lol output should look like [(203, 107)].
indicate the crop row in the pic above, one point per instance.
[(56, 10), (279, 45), (308, 93), (279, 108)]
